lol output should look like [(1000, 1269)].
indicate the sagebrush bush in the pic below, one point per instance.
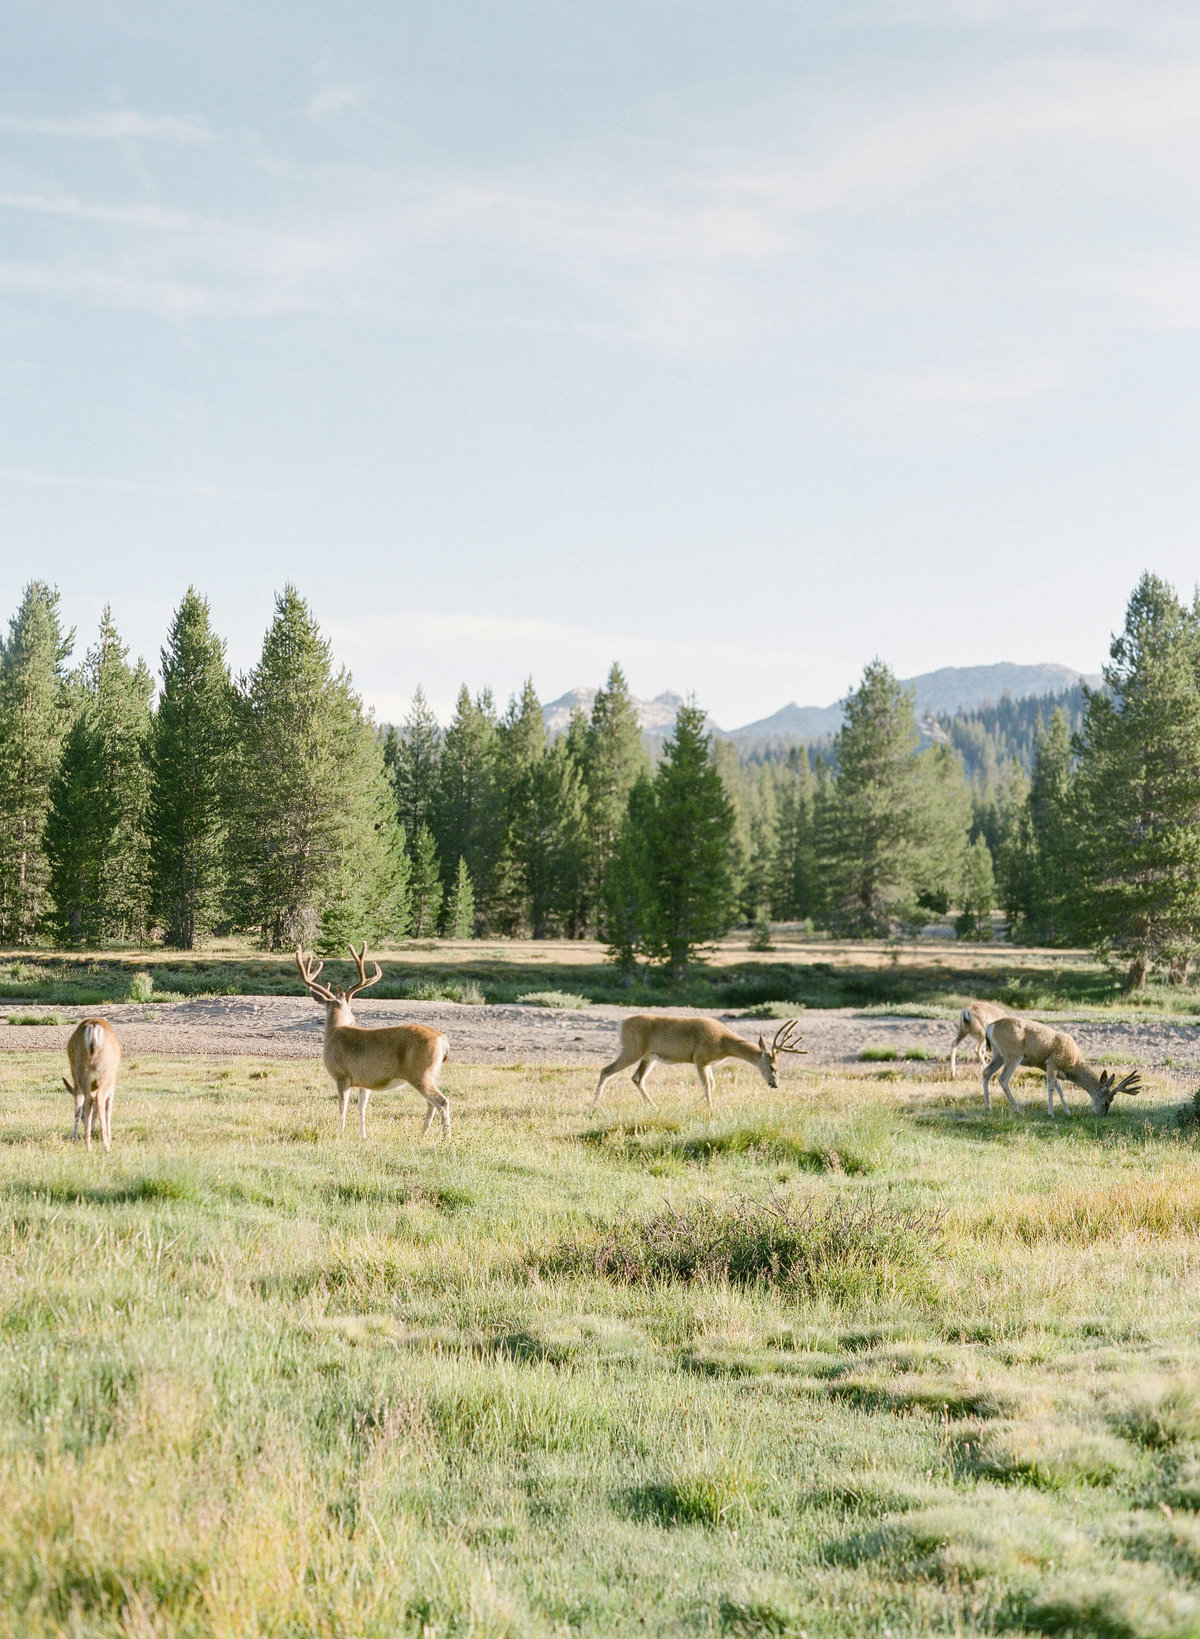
[(552, 998), (839, 1245)]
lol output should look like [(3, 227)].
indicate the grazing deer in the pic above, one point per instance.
[(374, 1060), (648, 1038), (1017, 1041), (972, 1026), (94, 1054)]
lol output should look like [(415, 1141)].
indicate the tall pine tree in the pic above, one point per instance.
[(689, 898), (96, 839), (34, 717), (191, 744), (467, 816), (1136, 794), (315, 849), (871, 830), (612, 759)]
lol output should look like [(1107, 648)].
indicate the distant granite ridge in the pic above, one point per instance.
[(948, 690)]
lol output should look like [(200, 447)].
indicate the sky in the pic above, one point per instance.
[(737, 340)]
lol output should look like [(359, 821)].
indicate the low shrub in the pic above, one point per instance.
[(34, 1018), (774, 1010), (141, 987), (446, 990), (840, 1245), (552, 998), (879, 1055)]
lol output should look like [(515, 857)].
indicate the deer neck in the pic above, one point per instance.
[(738, 1048), (1083, 1075), (337, 1017)]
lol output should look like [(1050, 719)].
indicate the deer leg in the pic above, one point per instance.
[(436, 1104), (1006, 1075), (707, 1081), (610, 1070), (364, 1098), (639, 1080), (106, 1121), (80, 1106), (343, 1088), (88, 1120), (954, 1046), (1054, 1085), (988, 1073)]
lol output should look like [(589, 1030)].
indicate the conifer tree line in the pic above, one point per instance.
[(271, 805)]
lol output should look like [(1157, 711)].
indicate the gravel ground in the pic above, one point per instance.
[(282, 1027)]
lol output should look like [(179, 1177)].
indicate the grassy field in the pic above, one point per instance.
[(850, 1358), (931, 974)]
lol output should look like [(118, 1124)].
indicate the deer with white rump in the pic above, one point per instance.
[(1017, 1041), (375, 1059), (94, 1054), (648, 1038), (972, 1026)]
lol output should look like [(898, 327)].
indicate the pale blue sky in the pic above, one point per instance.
[(740, 341)]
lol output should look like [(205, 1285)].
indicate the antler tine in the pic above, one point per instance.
[(1132, 1083), (360, 958), (786, 1037), (309, 974)]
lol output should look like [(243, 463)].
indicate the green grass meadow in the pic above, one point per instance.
[(849, 1358)]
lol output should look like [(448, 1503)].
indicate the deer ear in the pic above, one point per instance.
[(762, 1046), (69, 1085)]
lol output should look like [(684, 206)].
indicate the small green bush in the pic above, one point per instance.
[(879, 1055), (446, 990), (774, 1010), (141, 987), (34, 1018), (552, 998)]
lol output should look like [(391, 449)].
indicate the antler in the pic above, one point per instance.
[(786, 1038), (1132, 1084), (309, 974), (360, 956)]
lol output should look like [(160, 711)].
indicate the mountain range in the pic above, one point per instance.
[(949, 690)]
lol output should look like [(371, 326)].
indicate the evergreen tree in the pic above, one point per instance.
[(612, 759), (942, 828), (1136, 795), (793, 871), (521, 745), (460, 908), (95, 834), (547, 837), (977, 897), (1037, 868), (315, 848), (872, 832), (191, 745), (34, 716), (467, 818), (426, 885), (626, 879), (689, 887), (413, 755)]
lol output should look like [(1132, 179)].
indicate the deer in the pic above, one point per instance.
[(1018, 1041), (972, 1026), (649, 1038), (375, 1059), (94, 1055)]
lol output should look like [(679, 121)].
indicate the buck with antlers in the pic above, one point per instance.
[(375, 1059), (972, 1026), (649, 1038), (1016, 1041), (94, 1055)]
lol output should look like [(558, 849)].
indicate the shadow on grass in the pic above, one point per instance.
[(123, 1193)]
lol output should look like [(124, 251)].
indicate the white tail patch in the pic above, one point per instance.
[(92, 1038)]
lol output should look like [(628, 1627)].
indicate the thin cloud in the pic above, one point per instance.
[(114, 124), (333, 99)]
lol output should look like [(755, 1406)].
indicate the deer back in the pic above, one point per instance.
[(375, 1058), (680, 1041), (94, 1055)]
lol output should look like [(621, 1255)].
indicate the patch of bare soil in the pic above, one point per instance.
[(283, 1027)]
